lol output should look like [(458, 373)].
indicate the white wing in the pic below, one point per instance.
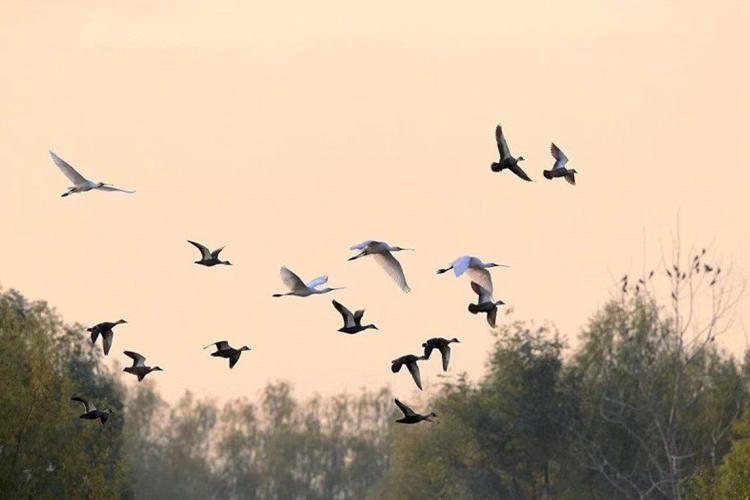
[(559, 156), (481, 276), (71, 173), (108, 187), (291, 280), (388, 262), (360, 246), (461, 264), (318, 281)]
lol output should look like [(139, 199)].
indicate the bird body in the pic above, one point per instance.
[(474, 268), (224, 350), (507, 161), (139, 368), (410, 416), (80, 183), (382, 252), (559, 169), (485, 303), (92, 413), (410, 360), (442, 345), (105, 330), (209, 258), (352, 321), (298, 288)]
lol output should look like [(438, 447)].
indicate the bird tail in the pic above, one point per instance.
[(547, 174), (473, 308)]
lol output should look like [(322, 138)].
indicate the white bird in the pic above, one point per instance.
[(475, 268), (80, 183), (381, 251), (298, 288), (559, 169)]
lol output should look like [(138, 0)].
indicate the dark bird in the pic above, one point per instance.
[(651, 274), (410, 416), (139, 368), (352, 322), (506, 159), (441, 344), (91, 412), (105, 330), (209, 258), (559, 169), (410, 361), (485, 303), (223, 350), (707, 268)]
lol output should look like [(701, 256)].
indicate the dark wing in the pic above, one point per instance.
[(107, 341), (220, 345), (502, 146), (492, 316), (345, 313), (408, 412), (234, 358), (94, 334), (559, 156), (519, 172), (445, 351), (215, 253), (358, 316), (571, 178), (205, 252), (414, 370), (428, 347), (138, 360), (88, 405)]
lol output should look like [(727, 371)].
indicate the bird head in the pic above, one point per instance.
[(157, 369), (454, 339), (520, 158), (499, 303), (573, 171), (120, 321), (398, 249), (433, 414), (493, 264), (372, 326), (244, 348)]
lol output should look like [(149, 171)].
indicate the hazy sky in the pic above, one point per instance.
[(289, 131)]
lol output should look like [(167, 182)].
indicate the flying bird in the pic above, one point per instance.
[(506, 159), (352, 322), (80, 183), (139, 368), (442, 345), (410, 361), (559, 169), (298, 288), (474, 268), (105, 330), (91, 412), (223, 350), (209, 258), (485, 303), (411, 417), (382, 253)]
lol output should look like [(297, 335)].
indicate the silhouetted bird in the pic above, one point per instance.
[(223, 350), (91, 412), (352, 322), (410, 361), (139, 368), (441, 344), (559, 169), (411, 417), (105, 330), (209, 258), (507, 161)]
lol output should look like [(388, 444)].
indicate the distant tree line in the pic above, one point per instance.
[(646, 406)]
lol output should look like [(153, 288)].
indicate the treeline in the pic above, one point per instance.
[(645, 407)]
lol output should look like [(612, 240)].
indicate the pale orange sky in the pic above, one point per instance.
[(290, 130)]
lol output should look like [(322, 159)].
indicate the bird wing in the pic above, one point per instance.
[(138, 360), (107, 341), (461, 264), (109, 187), (428, 347), (234, 358), (414, 370), (205, 252), (71, 173), (408, 412), (89, 406), (392, 266), (559, 156), (291, 280), (492, 317), (360, 246), (220, 345), (345, 313), (396, 365), (571, 178), (482, 277), (318, 281), (516, 169), (94, 334), (502, 146), (358, 315), (483, 293), (445, 351), (215, 253)]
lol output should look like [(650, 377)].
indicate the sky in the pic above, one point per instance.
[(289, 131)]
